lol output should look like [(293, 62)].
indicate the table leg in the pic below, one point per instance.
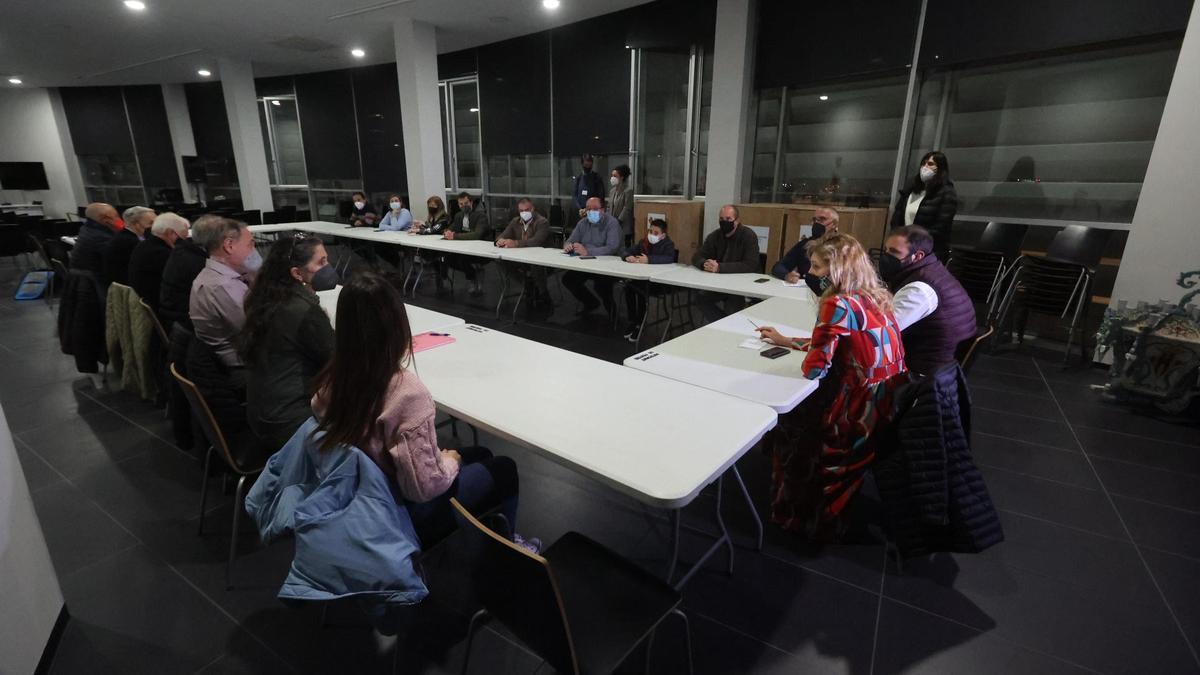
[(645, 291), (503, 286), (758, 525), (675, 517), (724, 540)]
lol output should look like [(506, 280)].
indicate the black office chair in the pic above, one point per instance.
[(984, 268), (578, 605), (242, 455), (13, 242)]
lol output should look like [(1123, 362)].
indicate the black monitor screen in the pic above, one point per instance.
[(23, 176)]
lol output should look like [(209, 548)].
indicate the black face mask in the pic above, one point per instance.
[(816, 283), (465, 209), (326, 279), (818, 230), (890, 266), (726, 227)]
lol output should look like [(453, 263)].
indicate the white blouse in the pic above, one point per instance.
[(910, 210)]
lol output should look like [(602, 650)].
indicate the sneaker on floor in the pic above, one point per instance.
[(533, 544)]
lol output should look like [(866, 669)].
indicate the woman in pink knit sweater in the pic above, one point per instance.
[(366, 398)]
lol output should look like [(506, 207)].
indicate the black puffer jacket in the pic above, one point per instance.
[(81, 320), (934, 496), (226, 397), (185, 263), (936, 213)]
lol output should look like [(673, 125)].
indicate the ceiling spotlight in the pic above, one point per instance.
[(551, 4), (135, 5), (473, 110), (275, 101), (357, 53), (823, 97), (203, 73), (14, 80)]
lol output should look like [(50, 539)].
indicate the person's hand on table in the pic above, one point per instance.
[(712, 266), (642, 259), (453, 454), (449, 235), (769, 334), (792, 277), (568, 248), (581, 249)]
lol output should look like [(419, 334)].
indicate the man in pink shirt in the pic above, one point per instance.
[(220, 289)]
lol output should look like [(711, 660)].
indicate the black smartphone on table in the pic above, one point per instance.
[(774, 352)]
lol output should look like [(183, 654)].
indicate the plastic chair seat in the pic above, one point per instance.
[(611, 603)]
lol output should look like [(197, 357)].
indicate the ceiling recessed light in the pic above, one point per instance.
[(275, 101), (474, 110), (357, 53), (135, 5), (203, 73), (823, 97), (550, 4), (14, 80)]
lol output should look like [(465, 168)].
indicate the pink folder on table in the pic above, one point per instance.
[(425, 341)]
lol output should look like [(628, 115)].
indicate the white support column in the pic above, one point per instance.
[(180, 122), (729, 127), (1163, 240), (416, 70), (241, 106)]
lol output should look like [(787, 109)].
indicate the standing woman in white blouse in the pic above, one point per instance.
[(930, 201)]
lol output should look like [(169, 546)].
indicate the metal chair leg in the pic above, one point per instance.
[(239, 493), (476, 622), (687, 638), (204, 489)]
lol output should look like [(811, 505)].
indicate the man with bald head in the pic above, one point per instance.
[(597, 233), (100, 225), (794, 265), (732, 248)]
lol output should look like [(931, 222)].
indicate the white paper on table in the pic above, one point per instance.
[(793, 285), (752, 343)]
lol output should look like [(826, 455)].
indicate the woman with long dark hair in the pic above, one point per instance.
[(287, 338), (367, 398), (822, 449), (929, 200)]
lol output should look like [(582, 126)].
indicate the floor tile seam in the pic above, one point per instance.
[(1035, 477), (139, 426), (1129, 533), (1089, 427), (976, 432), (210, 664), (878, 611), (825, 575), (1175, 554), (1014, 414), (991, 632), (1143, 500), (93, 563), (1075, 528), (740, 632)]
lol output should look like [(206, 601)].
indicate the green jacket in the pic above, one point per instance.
[(128, 331), (279, 375)]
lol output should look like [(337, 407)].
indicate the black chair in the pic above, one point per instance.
[(983, 269), (253, 217), (302, 216), (236, 453), (964, 353), (285, 214), (13, 242), (578, 605), (1079, 245)]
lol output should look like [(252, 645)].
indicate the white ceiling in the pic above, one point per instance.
[(51, 43)]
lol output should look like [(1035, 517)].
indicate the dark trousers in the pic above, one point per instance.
[(576, 282), (463, 263), (484, 482), (520, 274), (636, 299), (717, 306)]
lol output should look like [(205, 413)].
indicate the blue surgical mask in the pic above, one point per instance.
[(252, 263), (395, 206), (593, 216)]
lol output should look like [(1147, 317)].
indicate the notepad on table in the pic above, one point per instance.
[(426, 341)]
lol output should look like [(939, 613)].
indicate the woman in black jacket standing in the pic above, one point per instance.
[(930, 201)]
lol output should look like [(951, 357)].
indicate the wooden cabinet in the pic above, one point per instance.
[(866, 225), (772, 217), (685, 222)]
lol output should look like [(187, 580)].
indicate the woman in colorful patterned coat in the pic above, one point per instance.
[(822, 449)]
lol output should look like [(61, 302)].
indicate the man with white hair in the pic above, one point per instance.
[(150, 256), (120, 249)]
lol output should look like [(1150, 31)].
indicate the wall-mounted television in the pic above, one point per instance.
[(23, 176)]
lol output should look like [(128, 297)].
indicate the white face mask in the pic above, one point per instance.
[(653, 238), (395, 206), (927, 174), (614, 181), (527, 216), (359, 205)]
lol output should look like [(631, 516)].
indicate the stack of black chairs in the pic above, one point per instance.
[(983, 269)]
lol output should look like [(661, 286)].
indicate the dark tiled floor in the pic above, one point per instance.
[(1100, 571)]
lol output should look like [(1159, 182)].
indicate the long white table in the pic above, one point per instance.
[(710, 357), (420, 320), (577, 410), (687, 276)]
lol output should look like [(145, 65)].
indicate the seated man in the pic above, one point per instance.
[(655, 249), (81, 326), (731, 249), (470, 224), (529, 229), (597, 233), (183, 266), (218, 293), (150, 256), (116, 256), (794, 264), (932, 309)]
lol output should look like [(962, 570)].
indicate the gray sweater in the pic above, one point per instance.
[(603, 238)]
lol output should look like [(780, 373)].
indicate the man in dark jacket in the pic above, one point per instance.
[(931, 307), (656, 249), (81, 311), (150, 257), (529, 229), (794, 264), (730, 249), (116, 256), (587, 185), (186, 261), (100, 225), (469, 224)]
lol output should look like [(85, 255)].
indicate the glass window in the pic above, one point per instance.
[(467, 154), (280, 120), (1066, 138), (764, 187), (662, 122), (705, 115)]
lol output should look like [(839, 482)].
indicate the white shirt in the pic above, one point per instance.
[(913, 302), (914, 203)]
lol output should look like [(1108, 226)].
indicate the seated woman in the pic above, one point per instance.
[(366, 397), (436, 224), (287, 338), (822, 448)]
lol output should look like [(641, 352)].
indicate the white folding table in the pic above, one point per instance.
[(748, 284), (687, 437), (420, 320)]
